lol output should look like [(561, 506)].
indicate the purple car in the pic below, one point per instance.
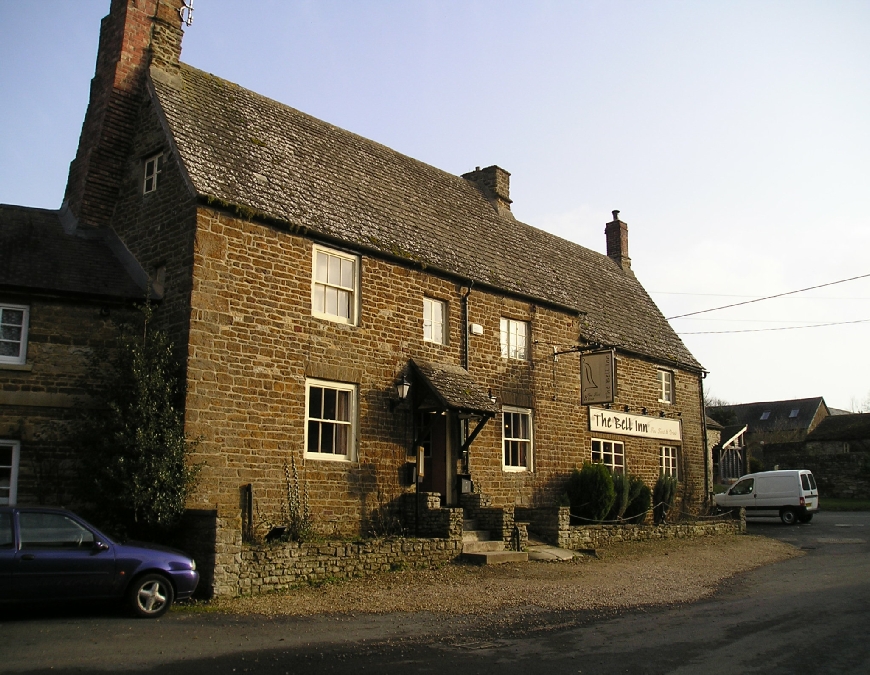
[(52, 554)]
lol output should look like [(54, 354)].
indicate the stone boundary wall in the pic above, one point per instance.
[(844, 475), (602, 536), (553, 525), (279, 566), (276, 567)]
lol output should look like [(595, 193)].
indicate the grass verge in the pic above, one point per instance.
[(831, 504)]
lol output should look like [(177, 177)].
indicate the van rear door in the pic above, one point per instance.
[(809, 491)]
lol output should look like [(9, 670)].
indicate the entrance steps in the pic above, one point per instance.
[(479, 548)]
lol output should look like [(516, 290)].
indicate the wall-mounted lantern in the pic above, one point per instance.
[(402, 389)]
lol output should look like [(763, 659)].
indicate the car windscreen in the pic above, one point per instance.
[(744, 487)]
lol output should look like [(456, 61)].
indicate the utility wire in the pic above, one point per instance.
[(762, 330), (769, 297)]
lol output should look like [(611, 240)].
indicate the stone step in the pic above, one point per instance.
[(475, 535), (482, 546), (495, 557)]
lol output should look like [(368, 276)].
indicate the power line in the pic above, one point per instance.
[(763, 330), (769, 297), (735, 295)]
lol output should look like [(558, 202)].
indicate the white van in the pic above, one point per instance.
[(790, 494)]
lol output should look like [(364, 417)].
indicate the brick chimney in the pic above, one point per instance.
[(616, 233), (135, 34), (495, 183)]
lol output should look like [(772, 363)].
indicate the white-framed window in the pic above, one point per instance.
[(334, 285), (153, 167), (665, 379), (330, 420), (609, 453), (434, 312), (10, 452), (668, 461), (514, 339), (14, 320), (517, 439)]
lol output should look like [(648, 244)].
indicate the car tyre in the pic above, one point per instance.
[(807, 517), (151, 596), (788, 516)]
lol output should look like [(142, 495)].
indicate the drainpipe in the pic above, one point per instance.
[(708, 488), (466, 468), (467, 325)]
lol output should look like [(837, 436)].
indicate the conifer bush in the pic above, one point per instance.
[(620, 502), (664, 493), (591, 493), (639, 501)]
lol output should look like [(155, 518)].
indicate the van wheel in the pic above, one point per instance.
[(788, 516), (807, 517)]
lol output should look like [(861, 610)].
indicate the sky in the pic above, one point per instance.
[(733, 138)]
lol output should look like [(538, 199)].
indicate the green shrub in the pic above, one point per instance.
[(639, 502), (591, 493), (620, 503), (664, 493), (134, 468), (755, 465)]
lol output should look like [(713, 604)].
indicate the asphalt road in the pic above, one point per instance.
[(809, 615)]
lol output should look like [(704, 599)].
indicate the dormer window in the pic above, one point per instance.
[(153, 167)]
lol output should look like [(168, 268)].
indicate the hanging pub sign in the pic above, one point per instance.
[(598, 377)]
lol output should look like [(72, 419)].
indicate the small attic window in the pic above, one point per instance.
[(153, 167), (794, 413), (765, 415)]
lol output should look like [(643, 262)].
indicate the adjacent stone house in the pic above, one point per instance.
[(772, 422), (305, 272), (61, 294)]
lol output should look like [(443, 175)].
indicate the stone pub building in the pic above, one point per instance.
[(305, 272)]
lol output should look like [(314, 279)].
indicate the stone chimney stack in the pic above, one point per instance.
[(135, 34), (616, 233), (495, 183)]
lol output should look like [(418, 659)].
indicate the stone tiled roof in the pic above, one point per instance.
[(778, 420), (454, 387), (36, 254), (713, 424), (842, 428), (243, 149)]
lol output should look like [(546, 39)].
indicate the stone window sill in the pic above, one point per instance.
[(23, 367)]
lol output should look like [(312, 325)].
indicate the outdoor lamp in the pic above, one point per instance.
[(403, 387)]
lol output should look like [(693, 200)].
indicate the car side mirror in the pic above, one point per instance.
[(100, 545)]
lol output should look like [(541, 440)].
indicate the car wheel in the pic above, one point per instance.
[(807, 517), (151, 595), (788, 516)]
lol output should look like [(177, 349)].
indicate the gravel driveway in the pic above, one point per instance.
[(624, 575)]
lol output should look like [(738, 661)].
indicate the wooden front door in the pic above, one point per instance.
[(433, 438)]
